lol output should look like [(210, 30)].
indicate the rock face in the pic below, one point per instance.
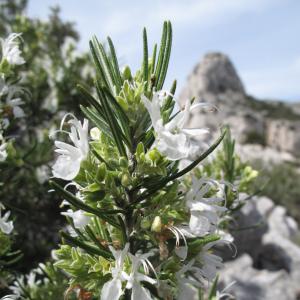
[(215, 74), (268, 265), (284, 135), (251, 152), (215, 81), (253, 284)]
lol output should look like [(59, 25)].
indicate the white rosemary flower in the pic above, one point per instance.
[(188, 286), (15, 103), (3, 152), (173, 139), (68, 163), (42, 174), (210, 263), (112, 290), (11, 93), (5, 225), (79, 217), (138, 292), (11, 51), (205, 211)]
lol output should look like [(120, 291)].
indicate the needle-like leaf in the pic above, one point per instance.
[(153, 60), (104, 63), (111, 120), (92, 250), (99, 122), (161, 53), (145, 60), (162, 183), (166, 58), (115, 64), (81, 205)]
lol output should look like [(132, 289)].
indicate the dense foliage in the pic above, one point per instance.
[(50, 72)]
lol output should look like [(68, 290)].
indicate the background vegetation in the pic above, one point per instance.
[(53, 68)]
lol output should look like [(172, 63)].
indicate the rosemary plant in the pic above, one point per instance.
[(136, 230)]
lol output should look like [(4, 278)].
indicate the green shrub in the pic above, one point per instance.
[(282, 186)]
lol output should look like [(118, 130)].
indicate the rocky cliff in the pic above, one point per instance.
[(269, 123)]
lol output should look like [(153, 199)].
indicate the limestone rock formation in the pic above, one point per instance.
[(269, 123), (268, 266), (284, 135), (253, 284), (215, 74)]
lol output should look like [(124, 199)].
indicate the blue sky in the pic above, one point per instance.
[(262, 37)]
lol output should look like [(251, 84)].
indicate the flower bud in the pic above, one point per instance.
[(145, 223), (140, 149), (156, 225), (101, 172), (250, 173), (123, 162), (125, 180), (154, 155), (95, 133), (127, 73)]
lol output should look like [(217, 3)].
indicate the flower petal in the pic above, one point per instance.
[(112, 290)]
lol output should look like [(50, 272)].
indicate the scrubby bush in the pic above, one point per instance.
[(281, 183), (52, 67)]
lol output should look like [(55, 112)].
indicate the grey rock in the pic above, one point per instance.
[(271, 156), (253, 284), (215, 81), (215, 74), (283, 135), (268, 266)]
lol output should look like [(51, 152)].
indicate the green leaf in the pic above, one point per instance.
[(213, 289), (92, 250), (111, 120), (80, 205), (97, 62), (145, 59), (100, 158), (124, 120), (153, 60), (123, 229), (170, 97), (191, 166), (166, 57), (97, 120), (197, 242), (89, 99), (117, 73), (93, 237), (161, 53), (104, 63)]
